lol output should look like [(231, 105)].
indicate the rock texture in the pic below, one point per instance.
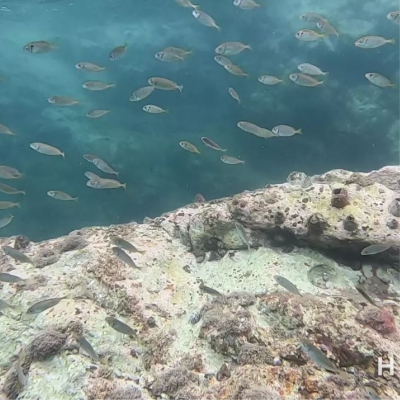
[(192, 343)]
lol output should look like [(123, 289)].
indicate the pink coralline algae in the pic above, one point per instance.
[(380, 319)]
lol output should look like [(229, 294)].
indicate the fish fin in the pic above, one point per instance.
[(180, 88), (320, 83), (218, 28), (54, 45), (124, 186), (190, 51), (299, 131), (116, 173), (18, 205), (391, 41), (63, 155)]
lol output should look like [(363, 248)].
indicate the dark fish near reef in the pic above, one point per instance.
[(44, 305), (120, 326), (87, 348), (287, 285), (242, 234), (123, 244), (124, 257), (209, 290), (199, 198), (366, 296), (318, 356), (4, 277), (16, 255), (375, 249)]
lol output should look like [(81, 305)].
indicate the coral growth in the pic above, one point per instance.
[(380, 319)]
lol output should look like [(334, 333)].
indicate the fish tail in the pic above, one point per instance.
[(189, 52), (54, 45), (393, 85), (218, 28), (299, 131), (124, 186), (18, 205), (223, 150), (319, 83), (22, 192), (75, 199), (116, 173), (166, 111), (391, 41), (248, 47), (325, 73), (180, 88), (63, 155), (113, 85)]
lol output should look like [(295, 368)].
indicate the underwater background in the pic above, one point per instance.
[(347, 122)]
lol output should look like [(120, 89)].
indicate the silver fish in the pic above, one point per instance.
[(5, 220), (318, 356), (44, 305), (210, 143), (4, 277), (87, 348), (209, 290), (124, 257), (366, 296), (123, 244), (242, 234), (16, 255), (375, 249), (120, 326), (287, 284), (103, 166)]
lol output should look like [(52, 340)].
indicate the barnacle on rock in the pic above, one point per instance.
[(392, 223), (350, 224), (340, 198), (394, 207), (279, 218), (316, 224), (21, 242)]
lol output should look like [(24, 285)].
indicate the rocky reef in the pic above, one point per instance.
[(208, 319)]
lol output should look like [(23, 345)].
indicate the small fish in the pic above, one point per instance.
[(372, 42), (269, 80), (231, 160), (4, 277), (152, 109), (231, 48), (118, 52), (255, 130), (44, 305), (5, 130), (222, 60), (89, 67), (56, 194), (178, 51), (327, 28), (97, 85), (304, 80), (186, 4), (97, 113), (245, 4), (92, 176), (90, 157), (287, 285), (205, 19), (101, 183), (9, 190), (123, 244), (199, 198), (4, 305), (312, 17), (7, 172), (235, 70), (16, 255), (189, 147), (124, 257), (46, 149), (22, 378), (308, 35), (141, 93), (8, 204), (210, 143), (234, 94), (394, 16), (310, 69), (164, 84), (168, 57), (62, 101), (379, 80), (87, 348), (366, 296), (4, 221), (285, 130), (120, 326), (318, 356), (209, 290), (39, 47), (103, 166), (243, 235), (375, 249)]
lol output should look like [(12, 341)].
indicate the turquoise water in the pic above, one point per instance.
[(347, 122)]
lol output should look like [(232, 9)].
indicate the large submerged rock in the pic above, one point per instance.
[(192, 343)]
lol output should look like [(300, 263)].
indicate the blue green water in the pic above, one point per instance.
[(347, 122)]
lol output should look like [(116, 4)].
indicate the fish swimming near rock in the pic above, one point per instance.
[(209, 290), (87, 348), (16, 255), (285, 283), (120, 326), (318, 356), (243, 235), (44, 305), (366, 296), (124, 257), (375, 249), (4, 277), (4, 221), (123, 244)]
